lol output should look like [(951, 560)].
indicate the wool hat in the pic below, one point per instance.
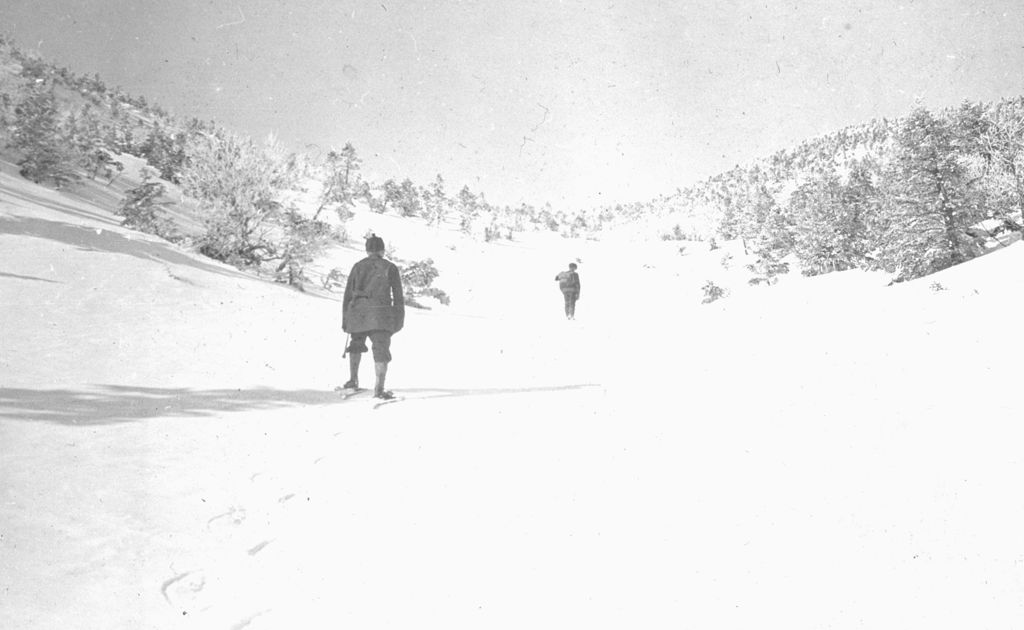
[(374, 243)]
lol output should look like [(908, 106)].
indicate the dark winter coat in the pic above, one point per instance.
[(569, 282), (373, 297)]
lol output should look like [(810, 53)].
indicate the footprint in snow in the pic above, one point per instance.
[(258, 548), (232, 518), (182, 590)]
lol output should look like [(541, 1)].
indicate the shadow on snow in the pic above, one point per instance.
[(4, 274), (110, 404), (91, 239), (60, 206)]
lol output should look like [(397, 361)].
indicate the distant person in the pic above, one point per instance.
[(373, 307), (569, 283)]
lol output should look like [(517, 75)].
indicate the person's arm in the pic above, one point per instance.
[(397, 295), (577, 285), (346, 301)]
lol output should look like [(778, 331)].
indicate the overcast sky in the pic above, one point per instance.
[(537, 100)]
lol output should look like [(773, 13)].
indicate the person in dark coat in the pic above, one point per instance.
[(569, 284), (373, 307)]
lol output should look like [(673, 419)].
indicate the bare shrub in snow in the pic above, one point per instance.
[(418, 278), (334, 280), (712, 292), (239, 186), (766, 269)]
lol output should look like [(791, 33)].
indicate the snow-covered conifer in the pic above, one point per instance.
[(141, 207), (39, 139), (341, 183), (931, 200)]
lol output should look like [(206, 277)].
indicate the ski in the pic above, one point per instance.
[(348, 392), (380, 402)]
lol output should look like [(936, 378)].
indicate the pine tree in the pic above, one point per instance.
[(408, 202), (141, 207), (468, 209), (725, 195), (37, 136), (390, 193), (932, 201), (99, 161), (84, 135), (341, 185), (436, 202), (11, 87), (304, 240), (164, 151), (122, 129), (831, 221), (762, 223)]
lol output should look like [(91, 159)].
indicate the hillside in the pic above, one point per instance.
[(749, 424), (908, 196), (829, 451)]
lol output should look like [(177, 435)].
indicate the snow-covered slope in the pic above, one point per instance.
[(827, 452)]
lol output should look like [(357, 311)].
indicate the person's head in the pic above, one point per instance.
[(572, 266), (374, 244)]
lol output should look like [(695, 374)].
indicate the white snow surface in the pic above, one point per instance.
[(829, 452)]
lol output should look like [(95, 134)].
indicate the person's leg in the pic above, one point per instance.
[(572, 306), (568, 303), (381, 357), (353, 369), (356, 348), (380, 371)]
